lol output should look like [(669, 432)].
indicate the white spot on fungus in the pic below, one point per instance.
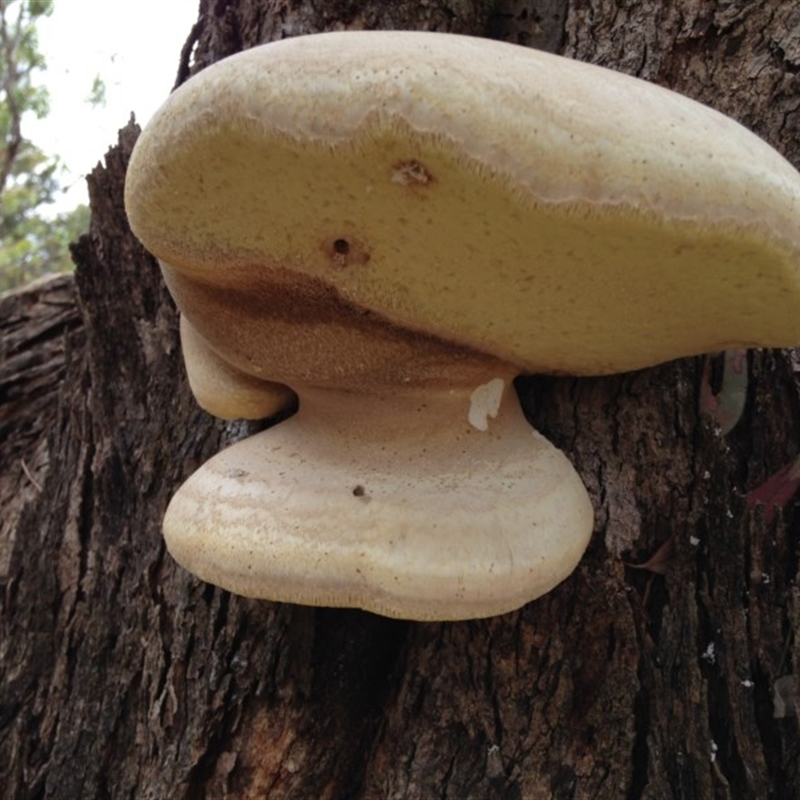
[(484, 402), (411, 173)]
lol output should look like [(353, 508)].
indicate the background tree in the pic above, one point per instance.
[(31, 242), (123, 676)]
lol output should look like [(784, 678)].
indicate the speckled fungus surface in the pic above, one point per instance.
[(395, 225)]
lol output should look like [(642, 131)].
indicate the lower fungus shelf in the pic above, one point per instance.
[(392, 504)]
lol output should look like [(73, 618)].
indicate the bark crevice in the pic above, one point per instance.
[(123, 676)]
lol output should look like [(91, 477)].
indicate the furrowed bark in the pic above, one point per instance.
[(123, 676)]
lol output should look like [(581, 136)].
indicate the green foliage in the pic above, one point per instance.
[(31, 243), (43, 249)]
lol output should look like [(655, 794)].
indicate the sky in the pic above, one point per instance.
[(134, 46)]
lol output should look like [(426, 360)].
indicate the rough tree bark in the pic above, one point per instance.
[(124, 677)]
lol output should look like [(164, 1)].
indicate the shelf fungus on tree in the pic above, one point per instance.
[(397, 224)]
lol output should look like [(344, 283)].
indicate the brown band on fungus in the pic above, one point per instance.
[(274, 308)]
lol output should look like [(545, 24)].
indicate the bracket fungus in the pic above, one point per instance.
[(397, 224)]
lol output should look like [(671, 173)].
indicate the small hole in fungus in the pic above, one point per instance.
[(359, 491), (346, 252)]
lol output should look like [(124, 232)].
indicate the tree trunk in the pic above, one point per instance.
[(125, 677)]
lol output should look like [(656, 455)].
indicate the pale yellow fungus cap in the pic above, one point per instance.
[(561, 216)]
